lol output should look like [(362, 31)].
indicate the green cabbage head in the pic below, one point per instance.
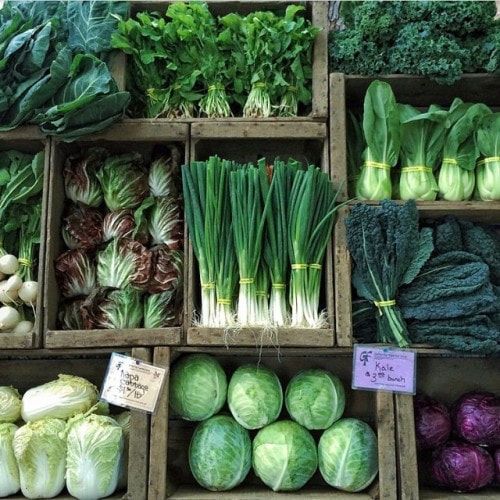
[(220, 453), (348, 457), (255, 396), (40, 451), (62, 398), (95, 445), (10, 404), (198, 387), (9, 473), (284, 456), (315, 398)]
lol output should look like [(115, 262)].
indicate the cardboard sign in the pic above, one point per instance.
[(132, 383), (383, 369)]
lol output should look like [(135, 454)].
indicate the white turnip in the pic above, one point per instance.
[(9, 318), (28, 292), (23, 327), (8, 264), (6, 296)]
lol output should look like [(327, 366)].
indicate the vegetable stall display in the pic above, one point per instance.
[(54, 66), (21, 183), (258, 233), (188, 62), (258, 434), (432, 283), (451, 154), (439, 40), (67, 440), (458, 447), (123, 227)]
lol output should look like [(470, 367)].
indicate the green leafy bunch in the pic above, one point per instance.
[(441, 40)]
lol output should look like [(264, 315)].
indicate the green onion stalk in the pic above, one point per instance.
[(262, 294), (310, 220), (258, 104), (248, 215), (215, 103)]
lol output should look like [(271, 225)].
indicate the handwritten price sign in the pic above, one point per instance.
[(132, 383), (383, 369)]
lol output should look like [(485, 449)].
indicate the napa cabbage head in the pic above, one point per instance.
[(62, 398), (348, 456), (255, 396), (95, 446), (40, 451), (9, 472), (315, 398), (198, 387), (10, 404)]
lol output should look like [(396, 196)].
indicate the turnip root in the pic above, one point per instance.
[(14, 283), (28, 292), (23, 327), (6, 296), (9, 318), (8, 264)]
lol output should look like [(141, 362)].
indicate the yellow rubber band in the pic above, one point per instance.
[(247, 281), (299, 266), (25, 262), (315, 266), (417, 168), (261, 294), (260, 85), (385, 303), (491, 159), (208, 286), (224, 302), (279, 286), (451, 161), (292, 88), (376, 164), (218, 86)]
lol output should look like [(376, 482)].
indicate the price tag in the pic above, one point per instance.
[(384, 369), (132, 383)]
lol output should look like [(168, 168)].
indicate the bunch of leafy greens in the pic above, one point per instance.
[(52, 66), (441, 40), (189, 63), (488, 168), (388, 251)]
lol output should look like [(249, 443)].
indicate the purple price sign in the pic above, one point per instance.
[(383, 369)]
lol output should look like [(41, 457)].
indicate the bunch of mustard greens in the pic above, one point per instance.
[(187, 62), (451, 154), (259, 232)]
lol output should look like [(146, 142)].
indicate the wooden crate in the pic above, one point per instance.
[(456, 377), (347, 92), (484, 212), (30, 140), (316, 11), (120, 138), (169, 470), (244, 142), (26, 369)]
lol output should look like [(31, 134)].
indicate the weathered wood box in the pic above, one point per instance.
[(26, 369), (30, 140), (169, 474), (121, 138), (248, 142)]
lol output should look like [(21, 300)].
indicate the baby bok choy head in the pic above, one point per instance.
[(488, 168), (382, 134)]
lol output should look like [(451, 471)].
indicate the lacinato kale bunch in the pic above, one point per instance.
[(53, 69), (440, 39)]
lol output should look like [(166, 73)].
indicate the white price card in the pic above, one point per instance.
[(132, 383)]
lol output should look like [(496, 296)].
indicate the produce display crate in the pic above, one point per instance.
[(456, 377), (483, 212), (121, 138), (169, 474), (30, 140), (316, 11), (26, 369), (244, 142), (347, 92)]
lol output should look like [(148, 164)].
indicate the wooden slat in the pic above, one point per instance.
[(320, 61), (386, 446), (406, 448), (258, 130), (66, 339), (252, 337), (158, 452), (23, 133), (17, 340), (138, 445)]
